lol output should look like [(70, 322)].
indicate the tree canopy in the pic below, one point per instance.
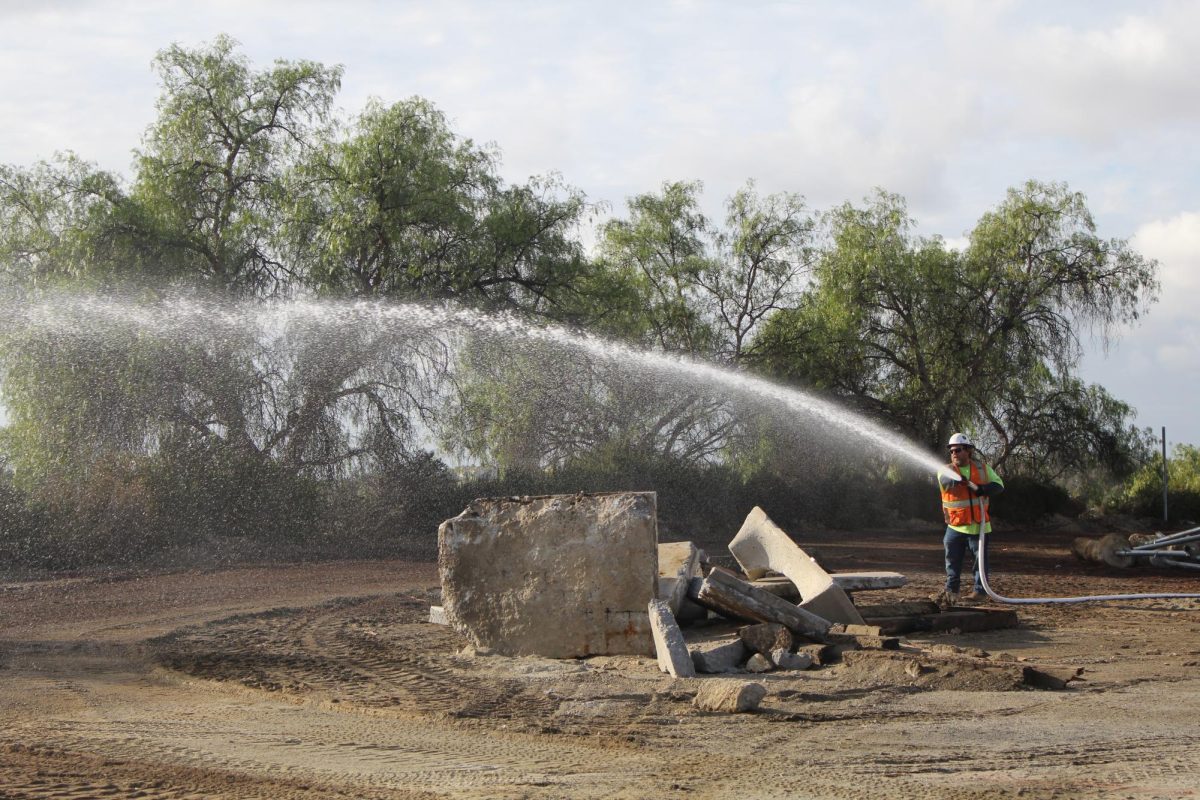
[(250, 187)]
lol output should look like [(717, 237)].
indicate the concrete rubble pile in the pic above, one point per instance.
[(570, 576)]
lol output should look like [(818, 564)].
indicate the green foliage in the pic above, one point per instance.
[(1026, 500), (699, 288), (405, 208), (211, 174), (1142, 493), (983, 341)]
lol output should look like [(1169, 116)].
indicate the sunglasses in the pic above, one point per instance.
[(959, 449)]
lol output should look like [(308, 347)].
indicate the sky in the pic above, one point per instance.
[(948, 103)]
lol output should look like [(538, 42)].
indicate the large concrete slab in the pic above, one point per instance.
[(562, 576), (762, 545)]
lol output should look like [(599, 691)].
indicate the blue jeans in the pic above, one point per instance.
[(956, 545)]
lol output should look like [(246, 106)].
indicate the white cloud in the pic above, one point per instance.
[(1175, 243)]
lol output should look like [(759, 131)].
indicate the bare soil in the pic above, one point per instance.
[(326, 680)]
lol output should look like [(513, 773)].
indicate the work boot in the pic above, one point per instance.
[(978, 597), (946, 599)]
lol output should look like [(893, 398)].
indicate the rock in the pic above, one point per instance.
[(765, 637), (1104, 550), (786, 659), (729, 696), (562, 576), (672, 653), (722, 655), (437, 615), (761, 545), (759, 663), (820, 654)]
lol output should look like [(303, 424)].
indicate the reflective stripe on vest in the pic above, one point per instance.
[(958, 506)]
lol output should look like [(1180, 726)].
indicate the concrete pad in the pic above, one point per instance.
[(762, 545), (778, 585), (669, 647), (562, 576)]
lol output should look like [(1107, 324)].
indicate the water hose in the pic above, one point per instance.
[(1038, 600)]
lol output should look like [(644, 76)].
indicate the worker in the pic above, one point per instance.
[(967, 483)]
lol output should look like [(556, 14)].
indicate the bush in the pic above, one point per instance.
[(1141, 494), (1026, 500)]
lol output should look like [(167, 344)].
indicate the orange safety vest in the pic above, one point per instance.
[(959, 505)]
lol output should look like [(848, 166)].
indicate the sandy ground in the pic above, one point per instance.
[(325, 680)]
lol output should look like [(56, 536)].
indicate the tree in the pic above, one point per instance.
[(660, 251), (403, 207), (64, 222), (880, 326), (761, 255), (211, 171), (703, 289), (669, 280), (984, 341)]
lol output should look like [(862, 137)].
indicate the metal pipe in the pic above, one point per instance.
[(1154, 553), (1182, 537)]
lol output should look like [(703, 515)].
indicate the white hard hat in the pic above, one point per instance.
[(960, 438)]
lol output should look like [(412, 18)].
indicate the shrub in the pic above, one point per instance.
[(1026, 500), (1141, 494)]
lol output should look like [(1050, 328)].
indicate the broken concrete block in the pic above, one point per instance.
[(729, 695), (678, 563), (669, 647), (729, 595), (759, 663), (690, 612), (722, 655), (562, 576), (761, 545), (820, 654), (786, 659), (437, 615), (778, 585), (765, 637), (865, 581)]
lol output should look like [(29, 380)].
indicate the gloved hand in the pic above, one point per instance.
[(987, 489)]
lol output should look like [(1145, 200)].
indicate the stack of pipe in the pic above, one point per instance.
[(1176, 550)]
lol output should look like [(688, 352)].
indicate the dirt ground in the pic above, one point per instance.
[(325, 680)]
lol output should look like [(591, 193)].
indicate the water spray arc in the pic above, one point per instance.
[(181, 316)]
